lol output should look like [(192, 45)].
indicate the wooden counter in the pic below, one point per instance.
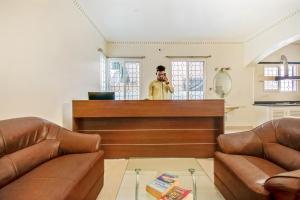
[(167, 128)]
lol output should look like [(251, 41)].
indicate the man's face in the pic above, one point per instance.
[(161, 75)]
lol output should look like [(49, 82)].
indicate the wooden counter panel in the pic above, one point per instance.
[(176, 150), (156, 136), (152, 128), (145, 122)]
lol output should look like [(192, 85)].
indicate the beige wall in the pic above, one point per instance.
[(47, 58), (223, 55), (272, 38), (292, 52)]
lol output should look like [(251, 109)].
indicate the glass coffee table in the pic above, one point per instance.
[(139, 172)]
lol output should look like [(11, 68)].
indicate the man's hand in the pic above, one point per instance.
[(166, 80)]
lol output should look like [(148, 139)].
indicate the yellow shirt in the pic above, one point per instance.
[(160, 90)]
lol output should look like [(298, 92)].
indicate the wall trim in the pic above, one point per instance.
[(84, 13), (277, 23), (171, 42), (240, 128)]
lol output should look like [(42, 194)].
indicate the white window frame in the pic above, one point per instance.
[(123, 61), (278, 90), (103, 70), (204, 74)]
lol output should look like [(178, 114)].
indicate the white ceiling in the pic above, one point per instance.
[(185, 20)]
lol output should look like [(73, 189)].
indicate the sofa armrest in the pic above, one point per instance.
[(72, 142), (285, 185), (243, 143)]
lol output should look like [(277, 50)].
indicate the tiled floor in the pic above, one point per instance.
[(115, 169)]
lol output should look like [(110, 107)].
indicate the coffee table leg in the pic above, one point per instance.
[(192, 171), (137, 183)]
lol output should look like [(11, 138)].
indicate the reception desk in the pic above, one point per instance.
[(167, 128)]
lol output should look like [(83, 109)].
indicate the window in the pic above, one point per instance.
[(188, 79), (282, 85), (122, 77), (103, 72)]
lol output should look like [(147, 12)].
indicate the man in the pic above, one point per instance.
[(160, 88)]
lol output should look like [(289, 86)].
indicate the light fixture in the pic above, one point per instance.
[(283, 60)]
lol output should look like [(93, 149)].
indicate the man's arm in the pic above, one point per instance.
[(169, 85)]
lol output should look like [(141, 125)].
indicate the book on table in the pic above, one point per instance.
[(178, 193), (160, 186)]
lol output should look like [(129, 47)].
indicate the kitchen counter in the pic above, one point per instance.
[(276, 103)]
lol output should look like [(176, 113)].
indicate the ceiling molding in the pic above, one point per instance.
[(170, 43), (84, 13), (179, 57), (281, 21)]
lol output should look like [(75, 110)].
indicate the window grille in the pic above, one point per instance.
[(282, 85), (123, 78), (188, 79)]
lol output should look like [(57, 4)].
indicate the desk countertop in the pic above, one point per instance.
[(276, 103)]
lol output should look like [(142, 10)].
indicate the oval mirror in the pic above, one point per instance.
[(222, 83)]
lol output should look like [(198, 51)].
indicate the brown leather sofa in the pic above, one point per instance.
[(42, 161), (263, 163)]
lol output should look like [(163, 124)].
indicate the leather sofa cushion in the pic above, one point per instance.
[(251, 171), (288, 133), (69, 142), (247, 143), (20, 133), (285, 185), (65, 177), (283, 156), (18, 163), (266, 131), (288, 181)]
